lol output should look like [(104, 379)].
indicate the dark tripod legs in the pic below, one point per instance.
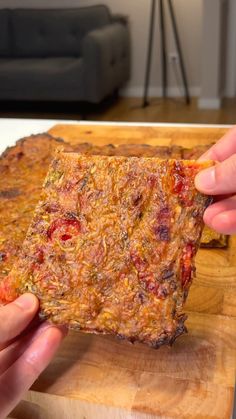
[(149, 54), (178, 46), (163, 49)]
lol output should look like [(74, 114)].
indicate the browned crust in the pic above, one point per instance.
[(13, 151), (220, 242), (23, 168), (196, 151), (28, 162), (111, 246)]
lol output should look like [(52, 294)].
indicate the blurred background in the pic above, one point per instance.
[(119, 60)]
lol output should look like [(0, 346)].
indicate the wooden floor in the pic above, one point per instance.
[(127, 109), (169, 110)]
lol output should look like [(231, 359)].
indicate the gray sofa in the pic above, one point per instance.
[(62, 55)]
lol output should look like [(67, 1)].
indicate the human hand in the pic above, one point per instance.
[(23, 356), (220, 180)]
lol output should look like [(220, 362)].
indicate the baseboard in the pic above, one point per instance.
[(209, 103), (156, 91)]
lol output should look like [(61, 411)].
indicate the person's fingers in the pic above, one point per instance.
[(218, 179), (219, 207), (32, 326), (16, 316), (12, 352), (225, 222), (221, 216), (223, 149), (22, 374)]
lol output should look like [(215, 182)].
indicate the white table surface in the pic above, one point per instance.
[(12, 129)]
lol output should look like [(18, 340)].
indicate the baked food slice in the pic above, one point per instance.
[(176, 152), (142, 150), (20, 186), (22, 172), (111, 246), (210, 238), (23, 168), (195, 152)]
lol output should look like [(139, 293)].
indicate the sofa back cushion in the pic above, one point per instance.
[(54, 32), (5, 47)]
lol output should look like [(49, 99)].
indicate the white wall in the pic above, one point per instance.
[(211, 50), (230, 76), (189, 18)]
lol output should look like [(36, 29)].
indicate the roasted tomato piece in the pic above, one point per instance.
[(7, 291), (182, 176), (63, 229)]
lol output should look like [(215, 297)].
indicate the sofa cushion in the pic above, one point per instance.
[(5, 47), (42, 79), (54, 33)]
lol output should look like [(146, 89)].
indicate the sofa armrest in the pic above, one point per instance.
[(118, 18), (106, 54)]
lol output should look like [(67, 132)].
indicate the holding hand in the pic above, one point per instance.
[(23, 356), (221, 180)]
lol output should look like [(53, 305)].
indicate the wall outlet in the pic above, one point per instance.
[(173, 57)]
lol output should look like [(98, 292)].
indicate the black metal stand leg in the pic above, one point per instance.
[(163, 49), (149, 55), (178, 46)]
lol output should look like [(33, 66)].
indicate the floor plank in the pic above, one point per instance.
[(169, 110), (126, 109)]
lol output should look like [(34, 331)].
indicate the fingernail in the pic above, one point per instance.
[(43, 327), (206, 180), (63, 329), (205, 156), (26, 301)]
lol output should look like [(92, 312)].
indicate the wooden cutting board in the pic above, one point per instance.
[(101, 377)]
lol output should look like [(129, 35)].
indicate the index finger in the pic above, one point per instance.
[(223, 149)]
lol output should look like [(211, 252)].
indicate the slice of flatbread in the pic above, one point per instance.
[(111, 246)]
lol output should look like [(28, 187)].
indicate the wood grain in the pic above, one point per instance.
[(101, 134), (101, 377), (108, 377), (167, 110)]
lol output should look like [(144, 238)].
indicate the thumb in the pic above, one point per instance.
[(219, 179), (16, 316)]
